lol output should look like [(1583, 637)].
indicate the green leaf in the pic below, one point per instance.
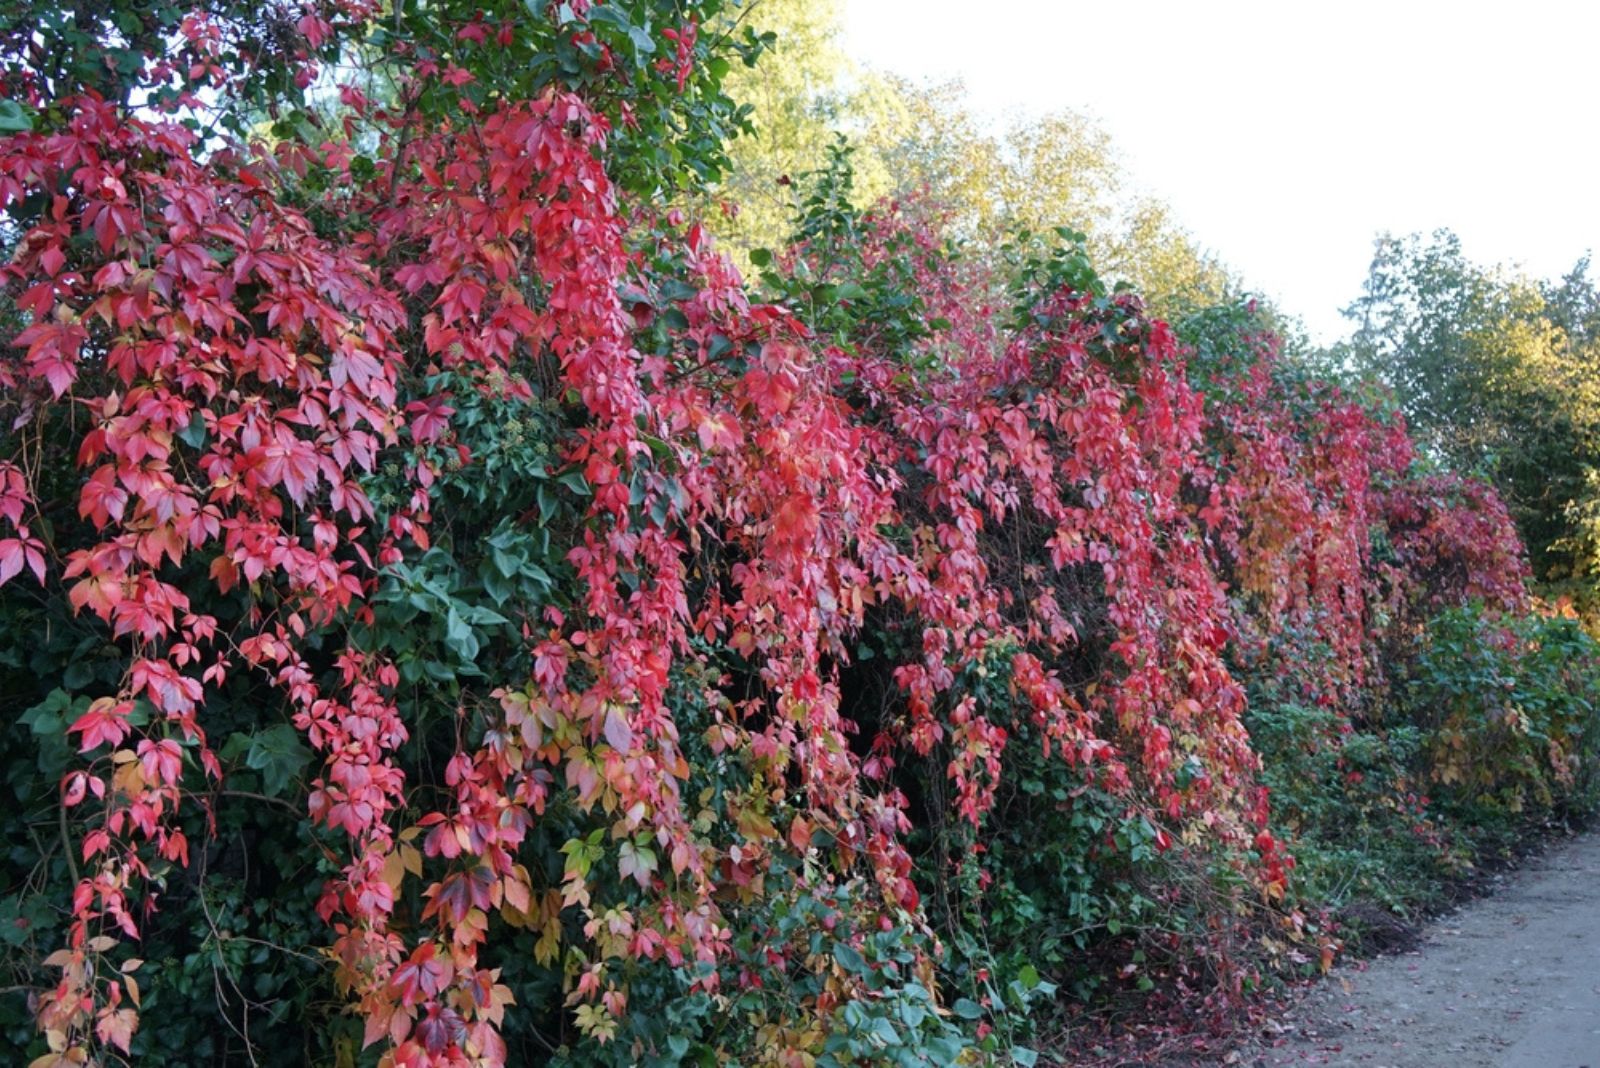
[(641, 40), (675, 290), (49, 715), (194, 434), (14, 118), (549, 503), (761, 257), (496, 586), (459, 636), (658, 448), (883, 1029), (482, 616), (967, 1009), (849, 958), (504, 562), (279, 755), (600, 13)]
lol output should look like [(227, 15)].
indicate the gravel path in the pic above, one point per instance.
[(1509, 981)]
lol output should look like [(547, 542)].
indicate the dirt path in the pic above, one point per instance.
[(1509, 981)]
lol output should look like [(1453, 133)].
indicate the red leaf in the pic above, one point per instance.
[(106, 722)]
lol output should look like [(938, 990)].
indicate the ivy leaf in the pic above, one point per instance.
[(279, 755), (575, 482), (14, 118)]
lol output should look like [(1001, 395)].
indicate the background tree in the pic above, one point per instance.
[(924, 142), (1497, 373)]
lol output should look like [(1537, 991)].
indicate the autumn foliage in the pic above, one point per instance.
[(562, 547)]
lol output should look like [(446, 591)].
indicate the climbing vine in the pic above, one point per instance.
[(611, 606)]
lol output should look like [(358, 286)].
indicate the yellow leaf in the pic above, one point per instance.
[(548, 948), (394, 871)]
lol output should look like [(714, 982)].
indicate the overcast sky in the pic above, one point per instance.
[(1286, 135)]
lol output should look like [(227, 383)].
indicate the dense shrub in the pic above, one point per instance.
[(1507, 710), (1351, 795)]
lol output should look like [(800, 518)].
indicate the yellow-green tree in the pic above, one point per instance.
[(992, 178), (800, 95), (1497, 373)]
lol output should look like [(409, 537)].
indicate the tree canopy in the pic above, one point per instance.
[(1498, 373)]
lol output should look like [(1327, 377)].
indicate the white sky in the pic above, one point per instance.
[(1287, 135)]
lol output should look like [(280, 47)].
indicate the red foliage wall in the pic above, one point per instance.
[(1056, 497)]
